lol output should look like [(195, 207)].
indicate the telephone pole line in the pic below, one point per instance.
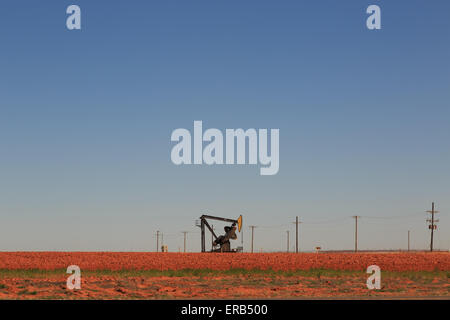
[(287, 241), (185, 233), (297, 222), (356, 232), (433, 225), (253, 228)]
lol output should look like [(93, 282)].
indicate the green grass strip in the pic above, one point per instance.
[(316, 273)]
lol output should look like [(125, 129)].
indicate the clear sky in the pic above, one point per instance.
[(86, 118)]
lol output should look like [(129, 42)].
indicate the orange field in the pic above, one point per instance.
[(128, 275), (422, 261)]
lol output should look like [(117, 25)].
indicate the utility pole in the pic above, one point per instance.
[(433, 225), (296, 233), (356, 232), (212, 238), (185, 232), (408, 240), (242, 239), (157, 241), (253, 228), (287, 240)]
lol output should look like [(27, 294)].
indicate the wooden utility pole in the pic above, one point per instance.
[(356, 233), (212, 238), (297, 222), (202, 228), (242, 239), (408, 240), (157, 241), (253, 228), (433, 225), (287, 240), (185, 232)]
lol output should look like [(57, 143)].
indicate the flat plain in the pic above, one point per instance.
[(139, 275)]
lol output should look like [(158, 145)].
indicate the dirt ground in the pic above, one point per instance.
[(244, 286), (133, 275)]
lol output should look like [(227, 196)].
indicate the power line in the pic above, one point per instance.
[(273, 227), (413, 216), (326, 221)]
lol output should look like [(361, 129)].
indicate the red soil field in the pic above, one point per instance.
[(419, 261), (409, 277)]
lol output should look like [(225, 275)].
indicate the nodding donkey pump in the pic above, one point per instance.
[(222, 241)]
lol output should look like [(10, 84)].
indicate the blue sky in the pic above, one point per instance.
[(86, 118)]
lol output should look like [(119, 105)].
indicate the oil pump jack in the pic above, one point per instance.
[(222, 241)]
